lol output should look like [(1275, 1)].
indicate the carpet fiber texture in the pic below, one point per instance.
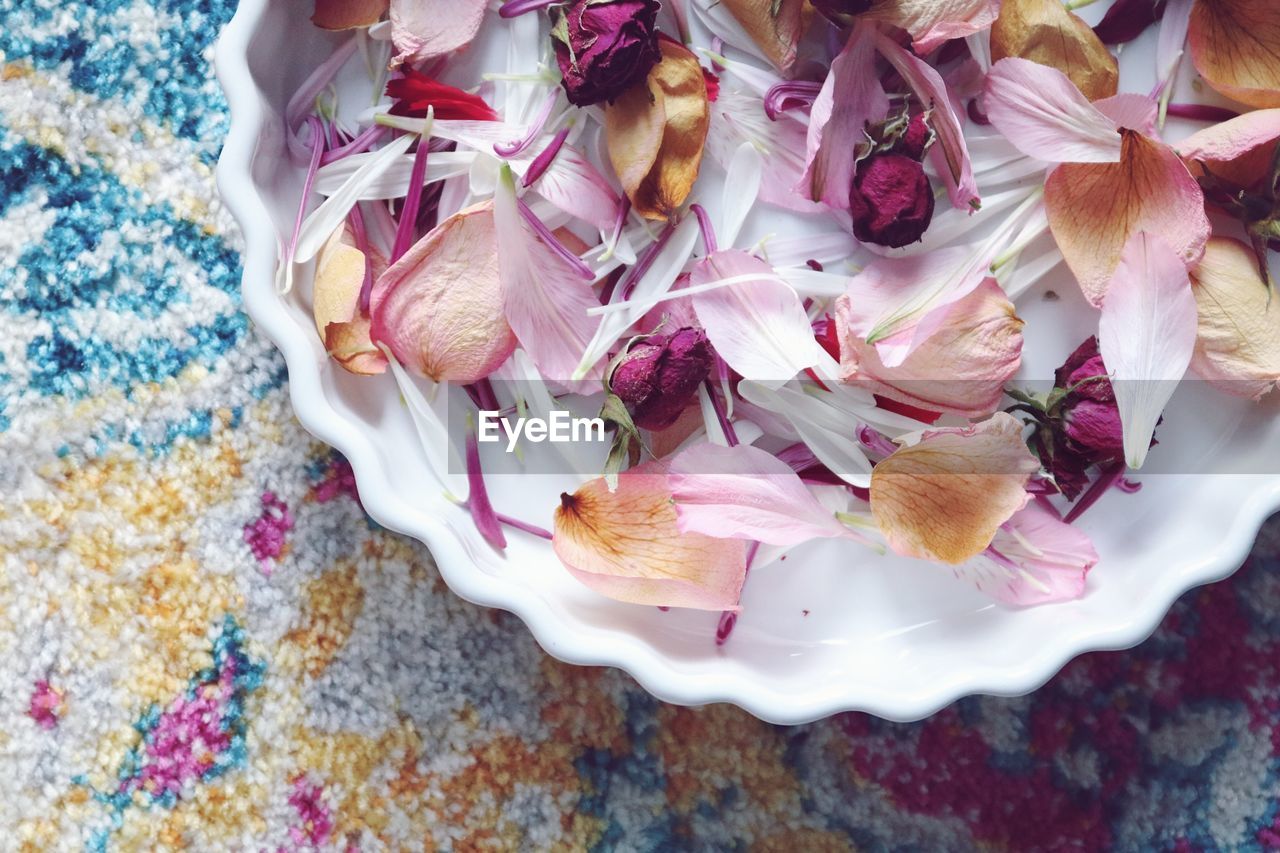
[(204, 644)]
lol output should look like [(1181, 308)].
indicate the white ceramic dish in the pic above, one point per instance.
[(830, 629)]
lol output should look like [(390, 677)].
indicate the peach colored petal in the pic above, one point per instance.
[(1094, 208), (656, 130), (424, 29), (335, 299), (1238, 150), (1044, 31), (960, 369), (1235, 45), (1238, 341), (348, 14), (626, 545), (932, 22), (440, 307), (945, 497), (774, 25)]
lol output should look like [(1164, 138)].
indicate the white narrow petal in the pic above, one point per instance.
[(1147, 335), (442, 457), (826, 430), (328, 216), (741, 186), (394, 182), (1172, 39)]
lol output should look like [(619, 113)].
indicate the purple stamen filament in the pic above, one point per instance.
[(646, 260), (1099, 487), (412, 201), (317, 151), (366, 140), (544, 233), (1201, 112), (781, 96), (543, 161), (704, 224), (513, 8), (512, 149), (729, 618), (523, 525), (361, 238)]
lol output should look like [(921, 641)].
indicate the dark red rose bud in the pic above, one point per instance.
[(891, 200), (832, 8), (916, 138), (604, 47), (1127, 19), (414, 92), (1086, 422), (658, 377)]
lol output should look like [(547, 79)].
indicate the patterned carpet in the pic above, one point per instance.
[(205, 645)]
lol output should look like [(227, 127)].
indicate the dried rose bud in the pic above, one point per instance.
[(891, 200), (604, 47), (916, 138), (658, 376), (1086, 421)]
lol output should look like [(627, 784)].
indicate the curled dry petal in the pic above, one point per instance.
[(960, 369), (1235, 45), (348, 14), (627, 545), (1238, 341), (1095, 208), (424, 29), (340, 269), (1146, 335), (656, 130), (744, 492), (1239, 150), (774, 25), (945, 497), (1044, 31), (932, 22), (440, 307)]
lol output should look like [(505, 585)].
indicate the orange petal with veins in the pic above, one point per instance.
[(1235, 45), (775, 32), (1044, 31), (945, 497), (625, 545), (1238, 336), (1094, 208), (335, 296), (348, 14)]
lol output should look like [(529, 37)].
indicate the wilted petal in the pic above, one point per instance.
[(425, 29), (440, 307), (1044, 31), (850, 97), (348, 14), (945, 497), (1035, 558), (546, 298), (1239, 150), (932, 22), (626, 545), (960, 369), (1136, 112), (1235, 45), (951, 155), (1147, 335), (1041, 111), (758, 324), (335, 301), (656, 130), (1238, 343), (575, 186), (1094, 209), (774, 25), (744, 492), (897, 303)]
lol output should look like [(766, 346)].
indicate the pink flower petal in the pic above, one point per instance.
[(424, 29), (744, 492), (932, 22), (626, 544), (1147, 335), (440, 307), (758, 325), (545, 297), (850, 97), (1035, 558), (951, 155), (1043, 114), (1136, 112), (960, 369)]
